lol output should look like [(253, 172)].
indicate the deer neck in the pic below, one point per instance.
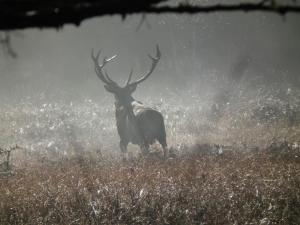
[(125, 118), (123, 110)]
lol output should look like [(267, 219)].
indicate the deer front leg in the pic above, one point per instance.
[(123, 147)]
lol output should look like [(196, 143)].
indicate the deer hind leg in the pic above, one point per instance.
[(163, 144)]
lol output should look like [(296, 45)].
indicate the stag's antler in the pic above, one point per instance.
[(154, 63), (98, 68), (129, 77)]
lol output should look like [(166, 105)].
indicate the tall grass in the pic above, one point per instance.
[(199, 187)]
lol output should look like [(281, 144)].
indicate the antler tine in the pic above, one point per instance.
[(154, 63), (111, 58), (105, 60), (158, 54), (98, 68), (97, 56), (109, 79), (129, 78)]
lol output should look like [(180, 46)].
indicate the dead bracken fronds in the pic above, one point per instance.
[(235, 187)]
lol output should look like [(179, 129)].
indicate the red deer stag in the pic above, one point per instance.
[(136, 123)]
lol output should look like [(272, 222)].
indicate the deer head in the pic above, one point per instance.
[(122, 94)]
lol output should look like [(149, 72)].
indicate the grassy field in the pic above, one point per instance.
[(69, 171), (201, 186)]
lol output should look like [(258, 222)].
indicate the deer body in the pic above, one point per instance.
[(136, 123), (140, 125)]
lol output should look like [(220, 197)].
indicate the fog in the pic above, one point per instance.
[(234, 63)]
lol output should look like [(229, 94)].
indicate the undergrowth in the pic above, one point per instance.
[(197, 187)]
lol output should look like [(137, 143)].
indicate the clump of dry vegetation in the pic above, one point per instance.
[(201, 186)]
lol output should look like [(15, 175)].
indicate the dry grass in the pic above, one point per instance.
[(199, 187)]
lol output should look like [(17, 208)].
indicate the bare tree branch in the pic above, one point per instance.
[(20, 14)]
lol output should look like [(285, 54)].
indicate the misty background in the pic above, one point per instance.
[(215, 70)]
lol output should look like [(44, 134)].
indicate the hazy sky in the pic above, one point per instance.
[(191, 46)]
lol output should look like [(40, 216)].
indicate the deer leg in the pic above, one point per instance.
[(166, 152), (123, 146), (144, 148), (163, 144)]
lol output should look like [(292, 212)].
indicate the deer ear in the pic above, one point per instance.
[(132, 87), (109, 89)]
